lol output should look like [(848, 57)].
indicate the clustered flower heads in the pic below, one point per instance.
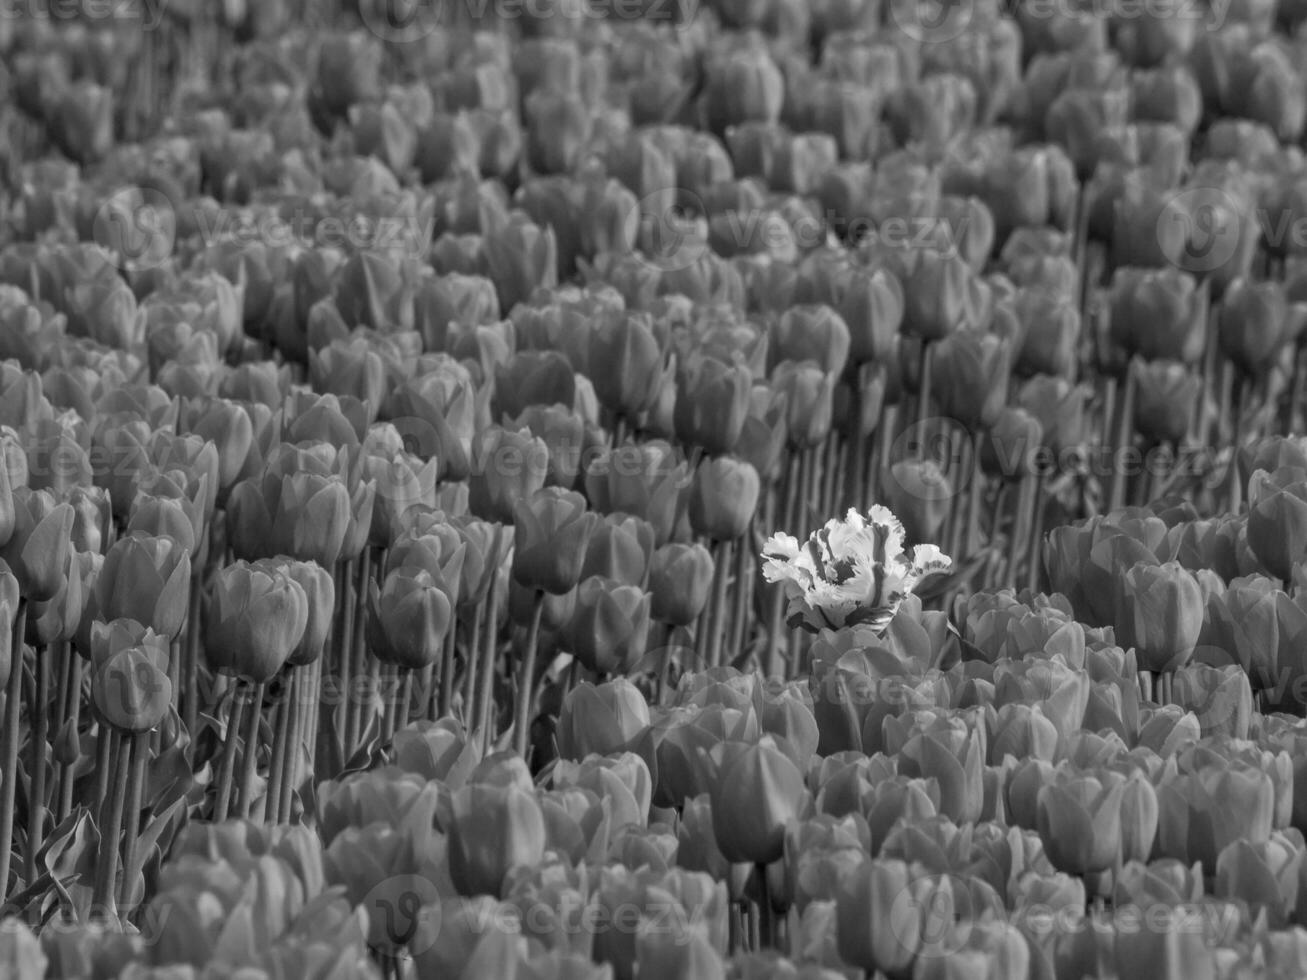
[(850, 572)]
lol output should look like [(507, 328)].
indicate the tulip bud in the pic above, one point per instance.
[(491, 831), (256, 618), (131, 689), (879, 916), (552, 532), (1165, 394), (919, 494), (610, 625), (809, 400), (1156, 313), (409, 616), (601, 719), (320, 591), (757, 793), (37, 551), (723, 498), (1255, 322), (632, 363), (971, 377), (680, 578), (712, 401), (1080, 823)]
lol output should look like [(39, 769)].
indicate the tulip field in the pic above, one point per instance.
[(640, 489)]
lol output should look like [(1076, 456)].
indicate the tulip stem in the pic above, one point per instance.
[(448, 656), (923, 396), (766, 915), (717, 621), (227, 768), (40, 746), (111, 824), (1125, 427), (977, 489), (743, 596), (72, 720), (304, 730), (471, 670), (190, 692), (9, 753), (345, 652), (1036, 534), (281, 739), (405, 700), (489, 660), (138, 746), (526, 681), (250, 760)]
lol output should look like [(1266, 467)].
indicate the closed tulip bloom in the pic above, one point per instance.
[(552, 530), (712, 401), (971, 372), (723, 498), (1165, 394), (320, 592), (520, 257), (942, 295), (131, 689), (1080, 823), (534, 377), (609, 626), (631, 363), (1051, 339), (1277, 520), (872, 306), (809, 395), (1159, 612), (37, 550), (508, 467), (879, 917), (491, 831), (620, 549), (1264, 875), (1203, 812), (255, 621), (350, 368), (147, 579), (642, 479), (920, 494), (601, 719), (312, 518), (812, 332), (1156, 313), (1172, 954), (1255, 323), (758, 791), (408, 618), (743, 87), (680, 577), (437, 411), (565, 435), (229, 427)]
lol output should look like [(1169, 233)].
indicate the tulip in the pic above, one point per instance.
[(1159, 612), (712, 402), (620, 548), (147, 579), (809, 401), (919, 492), (491, 831), (643, 480), (520, 257), (744, 87), (601, 719), (1202, 813), (566, 438), (812, 332), (1157, 314), (971, 377), (880, 917), (507, 469), (1221, 698), (1080, 823), (131, 689), (1052, 329), (37, 550), (873, 308), (257, 617), (723, 498), (757, 792), (320, 592), (1165, 396), (552, 533), (409, 616), (1266, 875), (610, 625), (531, 378), (632, 363), (942, 295), (1255, 322), (680, 576)]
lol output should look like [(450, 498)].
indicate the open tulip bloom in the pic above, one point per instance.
[(850, 572)]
